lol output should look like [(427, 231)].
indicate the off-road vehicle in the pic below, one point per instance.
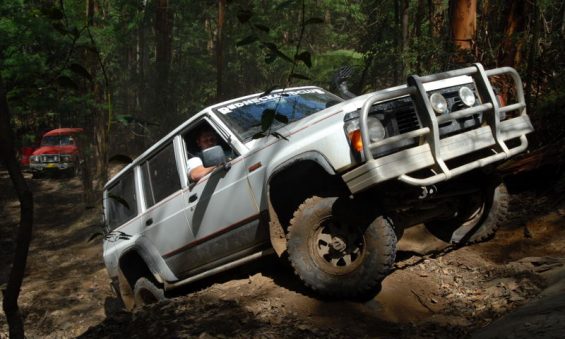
[(332, 183), (58, 153)]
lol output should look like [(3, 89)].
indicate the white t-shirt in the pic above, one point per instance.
[(191, 164)]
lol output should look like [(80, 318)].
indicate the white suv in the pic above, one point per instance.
[(333, 183)]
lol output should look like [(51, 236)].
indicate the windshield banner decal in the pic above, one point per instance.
[(229, 108)]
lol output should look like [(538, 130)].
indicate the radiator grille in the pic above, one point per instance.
[(406, 118), (50, 158)]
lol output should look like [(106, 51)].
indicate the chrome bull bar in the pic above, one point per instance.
[(433, 151)]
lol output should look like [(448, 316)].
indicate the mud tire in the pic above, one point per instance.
[(146, 292), (478, 219), (362, 276)]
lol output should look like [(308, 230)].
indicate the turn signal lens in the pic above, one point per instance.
[(355, 139), (501, 100), (501, 103)]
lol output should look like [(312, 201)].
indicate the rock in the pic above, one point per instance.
[(542, 318)]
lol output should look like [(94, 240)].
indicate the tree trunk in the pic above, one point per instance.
[(510, 51), (101, 134), (434, 18), (86, 142), (23, 237), (141, 92), (220, 50), (405, 33), (405, 17), (95, 150), (145, 97), (163, 49), (431, 17), (562, 30), (418, 31), (397, 42), (464, 23), (533, 57), (418, 19)]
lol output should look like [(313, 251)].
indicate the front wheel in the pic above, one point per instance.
[(478, 217), (146, 292), (339, 260)]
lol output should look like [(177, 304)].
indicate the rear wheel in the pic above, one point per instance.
[(339, 260), (146, 292), (478, 217)]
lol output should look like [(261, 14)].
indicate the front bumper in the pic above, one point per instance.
[(397, 165), (51, 166), (432, 152)]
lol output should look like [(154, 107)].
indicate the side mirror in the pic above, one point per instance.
[(213, 156)]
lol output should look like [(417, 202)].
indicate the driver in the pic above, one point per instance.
[(205, 138)]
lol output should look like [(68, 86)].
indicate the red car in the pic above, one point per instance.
[(58, 152)]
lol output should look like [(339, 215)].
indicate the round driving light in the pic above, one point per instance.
[(376, 129), (467, 96), (439, 104)]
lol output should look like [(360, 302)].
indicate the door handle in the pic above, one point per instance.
[(193, 197), (148, 222)]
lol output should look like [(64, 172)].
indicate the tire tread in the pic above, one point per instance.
[(369, 284)]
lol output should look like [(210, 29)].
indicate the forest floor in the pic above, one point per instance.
[(511, 286)]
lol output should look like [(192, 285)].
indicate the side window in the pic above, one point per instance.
[(195, 140), (160, 176), (122, 201)]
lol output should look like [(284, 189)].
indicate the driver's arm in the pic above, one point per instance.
[(200, 172), (196, 170)]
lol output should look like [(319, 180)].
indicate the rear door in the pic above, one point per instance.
[(122, 209), (165, 223)]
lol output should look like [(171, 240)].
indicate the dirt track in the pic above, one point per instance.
[(435, 291)]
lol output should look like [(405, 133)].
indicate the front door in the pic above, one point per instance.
[(221, 212)]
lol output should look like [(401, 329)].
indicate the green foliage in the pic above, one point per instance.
[(52, 64), (325, 64), (37, 65)]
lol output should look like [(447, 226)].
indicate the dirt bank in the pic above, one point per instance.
[(434, 291)]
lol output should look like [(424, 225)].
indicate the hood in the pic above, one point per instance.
[(356, 103), (338, 110), (68, 149), (64, 131)]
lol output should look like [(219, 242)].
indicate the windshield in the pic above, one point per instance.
[(57, 140), (244, 116)]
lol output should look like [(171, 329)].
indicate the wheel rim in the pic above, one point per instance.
[(337, 250)]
